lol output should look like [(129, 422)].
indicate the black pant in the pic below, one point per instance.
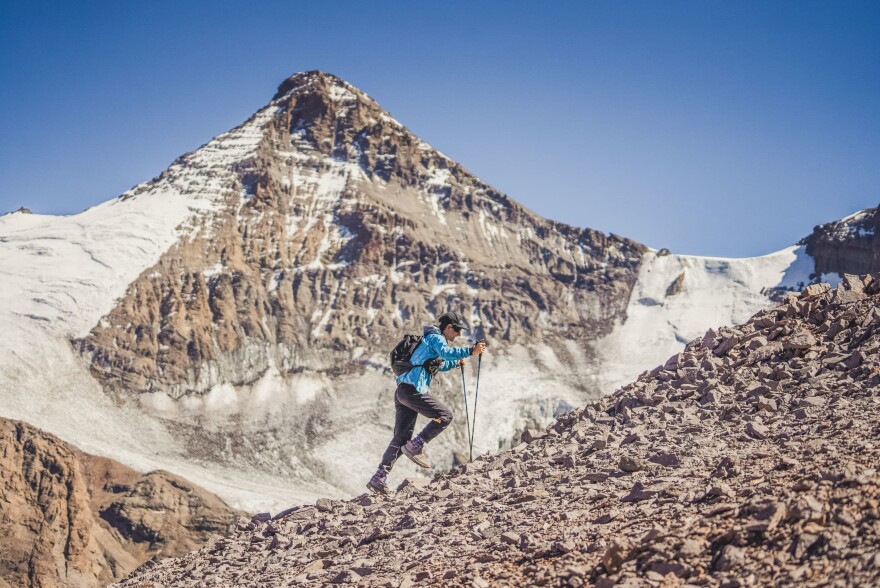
[(408, 404)]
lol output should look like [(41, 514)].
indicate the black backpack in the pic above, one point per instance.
[(402, 353)]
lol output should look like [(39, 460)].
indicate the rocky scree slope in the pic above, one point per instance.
[(748, 459), (72, 519), (339, 229)]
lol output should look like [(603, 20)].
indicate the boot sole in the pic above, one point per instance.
[(414, 458), (377, 490)]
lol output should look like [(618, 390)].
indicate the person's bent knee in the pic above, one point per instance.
[(445, 418)]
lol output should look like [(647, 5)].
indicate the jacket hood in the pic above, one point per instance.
[(431, 330)]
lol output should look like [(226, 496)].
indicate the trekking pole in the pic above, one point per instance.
[(476, 398), (464, 393)]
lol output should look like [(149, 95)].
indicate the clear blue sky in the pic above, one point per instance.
[(713, 128)]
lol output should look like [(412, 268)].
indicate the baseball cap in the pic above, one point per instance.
[(455, 319)]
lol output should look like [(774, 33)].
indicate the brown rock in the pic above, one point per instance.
[(757, 430), (768, 518), (816, 289), (531, 435), (691, 548), (617, 553), (639, 492), (730, 557), (848, 296), (802, 340), (666, 459), (510, 537), (72, 519), (629, 463), (346, 577), (767, 404), (802, 543)]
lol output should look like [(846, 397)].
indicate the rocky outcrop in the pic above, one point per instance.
[(338, 231), (748, 459), (21, 210), (676, 286), (72, 519), (851, 245)]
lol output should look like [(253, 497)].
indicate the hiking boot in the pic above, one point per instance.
[(378, 483), (413, 450)]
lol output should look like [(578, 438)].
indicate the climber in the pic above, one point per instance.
[(432, 354)]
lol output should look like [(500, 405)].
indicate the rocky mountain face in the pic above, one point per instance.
[(748, 459), (851, 245), (338, 231), (72, 519)]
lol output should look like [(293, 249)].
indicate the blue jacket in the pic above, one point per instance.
[(433, 344)]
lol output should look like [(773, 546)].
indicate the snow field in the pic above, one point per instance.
[(716, 292)]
